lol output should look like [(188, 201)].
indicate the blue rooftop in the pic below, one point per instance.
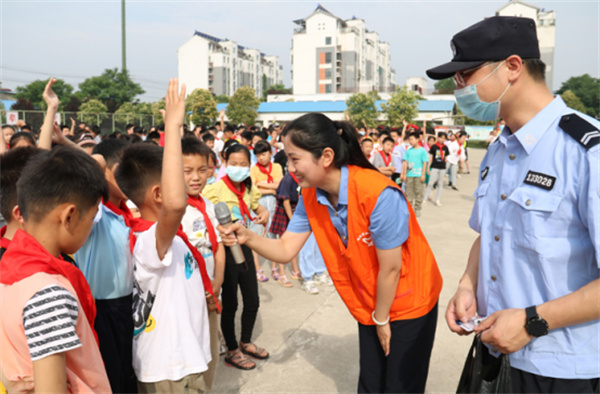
[(339, 106)]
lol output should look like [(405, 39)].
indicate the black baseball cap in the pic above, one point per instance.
[(492, 39)]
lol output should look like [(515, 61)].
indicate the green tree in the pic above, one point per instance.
[(374, 95), (145, 113), (444, 86), (203, 107), (402, 105), (243, 106), (126, 113), (573, 101), (93, 112), (587, 89), (2, 113), (113, 88), (156, 107), (33, 91), (361, 107), (276, 89), (222, 98)]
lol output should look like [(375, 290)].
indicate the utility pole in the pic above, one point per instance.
[(123, 50)]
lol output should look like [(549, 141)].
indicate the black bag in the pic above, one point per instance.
[(484, 373)]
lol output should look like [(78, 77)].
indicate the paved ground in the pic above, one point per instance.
[(313, 339)]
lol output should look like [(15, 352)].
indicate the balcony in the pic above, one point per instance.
[(300, 30)]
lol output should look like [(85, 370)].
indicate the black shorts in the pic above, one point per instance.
[(114, 326)]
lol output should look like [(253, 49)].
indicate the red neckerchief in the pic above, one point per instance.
[(240, 195), (459, 148), (4, 242), (122, 210), (294, 176), (387, 159), (199, 204), (26, 257), (266, 171), (139, 225), (441, 148)]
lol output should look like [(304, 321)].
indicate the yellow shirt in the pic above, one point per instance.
[(257, 176), (219, 192)]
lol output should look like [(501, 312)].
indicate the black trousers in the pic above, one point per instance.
[(525, 382), (114, 326), (244, 276), (405, 369)]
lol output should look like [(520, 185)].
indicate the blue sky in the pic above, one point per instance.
[(77, 39)]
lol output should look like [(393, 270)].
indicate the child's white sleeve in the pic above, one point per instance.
[(145, 253)]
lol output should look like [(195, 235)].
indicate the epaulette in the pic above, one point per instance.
[(581, 130)]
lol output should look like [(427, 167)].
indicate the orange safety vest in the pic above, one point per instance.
[(354, 269)]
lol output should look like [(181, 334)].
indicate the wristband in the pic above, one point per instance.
[(378, 322)]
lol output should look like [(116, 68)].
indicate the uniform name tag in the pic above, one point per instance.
[(540, 180)]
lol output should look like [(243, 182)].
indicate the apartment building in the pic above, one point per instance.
[(332, 55), (222, 66)]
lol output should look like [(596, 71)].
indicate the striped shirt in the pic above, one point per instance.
[(49, 320)]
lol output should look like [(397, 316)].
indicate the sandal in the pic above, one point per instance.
[(261, 277), (239, 361), (284, 281), (296, 275), (275, 273), (258, 353)]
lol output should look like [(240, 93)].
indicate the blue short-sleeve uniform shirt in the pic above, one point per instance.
[(388, 222), (537, 209)]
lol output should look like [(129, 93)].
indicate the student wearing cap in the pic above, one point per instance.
[(534, 269)]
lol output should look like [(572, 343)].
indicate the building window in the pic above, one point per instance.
[(327, 40), (328, 57), (327, 73), (328, 88)]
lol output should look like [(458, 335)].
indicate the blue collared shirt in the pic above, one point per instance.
[(105, 258), (388, 223), (537, 209)]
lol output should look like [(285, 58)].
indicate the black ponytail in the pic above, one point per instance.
[(314, 132), (237, 147)]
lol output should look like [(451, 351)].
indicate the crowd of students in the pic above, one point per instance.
[(80, 258), (414, 158), (111, 228)]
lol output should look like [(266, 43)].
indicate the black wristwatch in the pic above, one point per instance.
[(535, 325)]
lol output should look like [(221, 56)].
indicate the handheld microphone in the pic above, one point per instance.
[(223, 215)]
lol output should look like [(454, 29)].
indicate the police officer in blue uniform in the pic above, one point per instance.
[(534, 269)]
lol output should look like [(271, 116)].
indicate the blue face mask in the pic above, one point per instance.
[(211, 180), (238, 174), (471, 105)]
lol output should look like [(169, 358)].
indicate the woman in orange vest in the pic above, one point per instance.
[(375, 252)]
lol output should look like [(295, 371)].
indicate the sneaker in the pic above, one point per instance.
[(222, 349), (310, 287), (454, 188), (323, 279), (438, 203)]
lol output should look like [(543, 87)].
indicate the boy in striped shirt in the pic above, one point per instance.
[(47, 319)]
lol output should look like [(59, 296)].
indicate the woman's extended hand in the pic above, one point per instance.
[(234, 234)]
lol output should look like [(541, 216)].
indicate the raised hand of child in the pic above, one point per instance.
[(174, 105), (49, 96)]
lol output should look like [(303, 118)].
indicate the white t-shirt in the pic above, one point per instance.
[(195, 229), (453, 147), (175, 341)]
